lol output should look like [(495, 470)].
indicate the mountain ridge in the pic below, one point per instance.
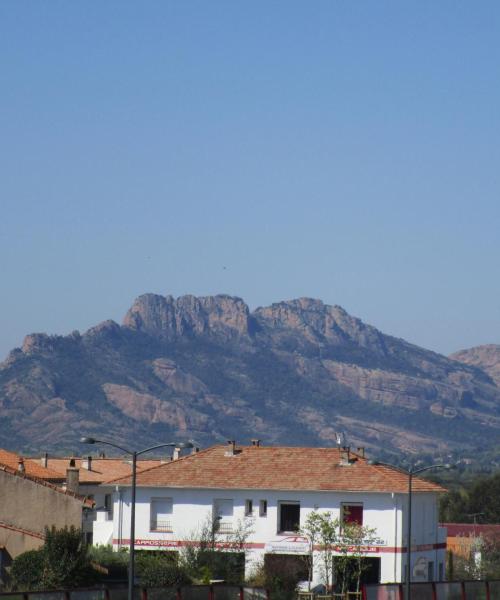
[(207, 367)]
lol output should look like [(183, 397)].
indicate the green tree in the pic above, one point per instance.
[(66, 560), (355, 538), (62, 562), (27, 570), (212, 555), (321, 530)]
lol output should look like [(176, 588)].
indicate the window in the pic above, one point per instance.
[(289, 517), (263, 508), (352, 514), (161, 514), (108, 502), (248, 508), (223, 512)]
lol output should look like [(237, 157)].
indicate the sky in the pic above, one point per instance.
[(343, 150)]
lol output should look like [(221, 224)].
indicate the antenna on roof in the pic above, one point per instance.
[(341, 439)]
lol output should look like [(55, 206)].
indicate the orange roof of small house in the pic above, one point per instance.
[(280, 468), (31, 467), (471, 529), (102, 469)]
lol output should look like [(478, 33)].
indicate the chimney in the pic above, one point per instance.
[(20, 465), (87, 463), (361, 451), (44, 461), (72, 477), (255, 442), (231, 451), (176, 453), (102, 455), (195, 450), (345, 456)]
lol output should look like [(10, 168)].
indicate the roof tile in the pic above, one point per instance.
[(283, 468)]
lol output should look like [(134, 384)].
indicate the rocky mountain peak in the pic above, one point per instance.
[(298, 372), (169, 317), (41, 343), (320, 323)]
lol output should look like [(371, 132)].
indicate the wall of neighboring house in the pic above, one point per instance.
[(27, 507), (183, 511), (103, 498)]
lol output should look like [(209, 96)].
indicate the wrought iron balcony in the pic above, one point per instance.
[(161, 525)]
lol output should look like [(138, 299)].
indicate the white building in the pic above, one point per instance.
[(274, 489)]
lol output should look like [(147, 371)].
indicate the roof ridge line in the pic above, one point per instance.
[(165, 464), (39, 481)]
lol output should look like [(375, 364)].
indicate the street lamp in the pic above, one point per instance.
[(134, 454), (410, 473)]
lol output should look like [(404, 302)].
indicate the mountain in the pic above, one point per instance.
[(485, 357), (296, 372)]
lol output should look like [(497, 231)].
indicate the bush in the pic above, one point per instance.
[(66, 560), (112, 566), (62, 562), (27, 570), (159, 569)]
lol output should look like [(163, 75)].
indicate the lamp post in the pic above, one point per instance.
[(410, 473), (134, 454)]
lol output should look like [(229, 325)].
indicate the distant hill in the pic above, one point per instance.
[(297, 372), (485, 357)]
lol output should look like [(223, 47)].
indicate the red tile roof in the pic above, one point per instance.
[(471, 529), (280, 468), (103, 469), (32, 467)]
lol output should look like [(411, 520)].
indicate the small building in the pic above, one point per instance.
[(468, 542), (273, 490), (28, 505)]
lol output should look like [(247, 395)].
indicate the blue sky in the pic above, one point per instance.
[(343, 150)]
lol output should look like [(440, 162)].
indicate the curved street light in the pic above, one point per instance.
[(410, 473), (134, 454)]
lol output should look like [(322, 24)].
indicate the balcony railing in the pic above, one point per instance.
[(164, 525), (225, 527)]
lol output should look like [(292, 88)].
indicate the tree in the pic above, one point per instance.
[(355, 537), (66, 560), (321, 530), (62, 562), (27, 570), (212, 555)]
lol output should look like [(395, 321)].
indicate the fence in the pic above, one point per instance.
[(190, 592), (442, 590)]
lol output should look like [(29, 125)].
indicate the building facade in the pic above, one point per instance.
[(269, 492), (27, 506)]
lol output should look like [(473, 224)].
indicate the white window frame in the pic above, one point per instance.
[(225, 523)]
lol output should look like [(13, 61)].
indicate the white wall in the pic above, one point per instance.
[(191, 507)]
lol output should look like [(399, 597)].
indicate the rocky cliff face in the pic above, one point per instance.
[(297, 372), (170, 318), (485, 357)]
